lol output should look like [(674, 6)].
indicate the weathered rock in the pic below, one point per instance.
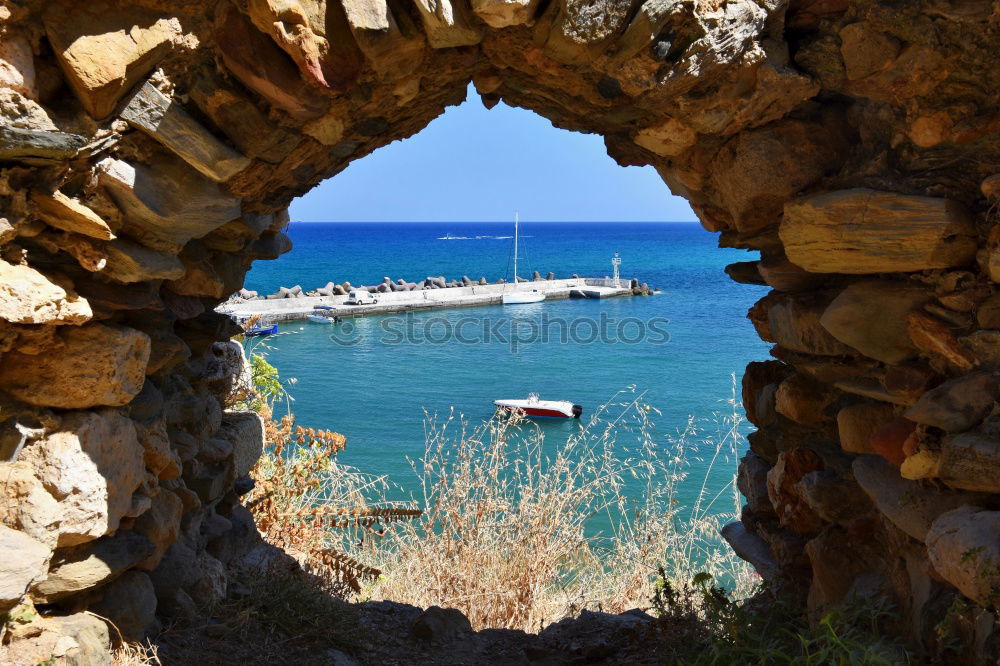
[(832, 497), (751, 548), (964, 547), (167, 204), (782, 275), (751, 480), (68, 214), (129, 604), (857, 424), (161, 525), (168, 123), (78, 640), (28, 297), (36, 146), (667, 138), (448, 23), (909, 505), (931, 335), (387, 38), (794, 323), (893, 438), (870, 316), (505, 13), (96, 364), (22, 561), (958, 404), (803, 399), (158, 455), (744, 272), (91, 466), (131, 262), (970, 461), (26, 505), (209, 587), (245, 431), (866, 231), (106, 49), (793, 512), (79, 569), (438, 624)]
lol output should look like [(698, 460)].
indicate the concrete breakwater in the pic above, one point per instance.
[(296, 304)]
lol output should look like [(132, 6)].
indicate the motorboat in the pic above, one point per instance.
[(262, 330), (535, 407), (518, 296)]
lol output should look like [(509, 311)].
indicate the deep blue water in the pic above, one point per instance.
[(375, 393)]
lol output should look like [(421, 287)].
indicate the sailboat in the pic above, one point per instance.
[(517, 296)]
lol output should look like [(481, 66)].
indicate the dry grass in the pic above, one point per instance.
[(507, 534)]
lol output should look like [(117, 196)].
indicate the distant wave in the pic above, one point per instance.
[(450, 237)]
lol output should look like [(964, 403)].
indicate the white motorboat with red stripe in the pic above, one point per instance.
[(535, 407)]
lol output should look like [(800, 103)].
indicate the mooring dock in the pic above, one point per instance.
[(291, 309)]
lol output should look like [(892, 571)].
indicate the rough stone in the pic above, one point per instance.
[(892, 439), (168, 203), (68, 214), (964, 547), (447, 24), (26, 505), (91, 466), (794, 323), (129, 604), (970, 461), (22, 561), (74, 640), (857, 424), (37, 146), (751, 548), (793, 512), (245, 431), (438, 624), (28, 297), (106, 49), (958, 404), (866, 231), (803, 399), (161, 525), (931, 335), (870, 316), (96, 364), (79, 569), (131, 262), (167, 122), (667, 138), (751, 480), (505, 13)]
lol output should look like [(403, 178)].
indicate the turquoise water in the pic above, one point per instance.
[(682, 345)]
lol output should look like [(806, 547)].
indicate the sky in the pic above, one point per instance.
[(480, 165)]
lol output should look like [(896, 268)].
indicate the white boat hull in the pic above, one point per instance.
[(550, 409), (518, 297)]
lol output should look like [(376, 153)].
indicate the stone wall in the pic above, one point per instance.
[(149, 149)]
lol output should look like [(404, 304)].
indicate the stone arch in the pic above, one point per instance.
[(149, 150)]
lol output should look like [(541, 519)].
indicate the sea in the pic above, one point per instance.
[(377, 379)]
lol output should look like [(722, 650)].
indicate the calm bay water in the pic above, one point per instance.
[(375, 392)]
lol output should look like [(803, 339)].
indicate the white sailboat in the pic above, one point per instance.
[(517, 296)]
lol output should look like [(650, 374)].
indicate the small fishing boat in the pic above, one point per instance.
[(320, 319), (323, 307), (535, 407), (262, 330), (516, 296)]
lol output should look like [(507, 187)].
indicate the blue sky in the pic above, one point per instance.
[(474, 164)]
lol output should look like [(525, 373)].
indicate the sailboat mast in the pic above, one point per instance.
[(515, 249)]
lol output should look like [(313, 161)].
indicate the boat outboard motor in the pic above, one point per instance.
[(577, 410)]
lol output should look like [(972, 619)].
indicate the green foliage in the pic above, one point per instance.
[(265, 379), (708, 627)]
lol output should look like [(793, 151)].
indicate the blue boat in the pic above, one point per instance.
[(262, 330)]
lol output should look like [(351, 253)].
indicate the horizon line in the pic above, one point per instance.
[(492, 222)]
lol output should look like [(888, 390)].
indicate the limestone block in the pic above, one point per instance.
[(866, 231), (505, 13), (857, 424), (28, 297), (104, 49), (95, 365), (667, 138), (68, 214), (161, 525), (870, 316), (22, 561), (579, 33), (392, 44), (757, 171), (782, 275), (167, 204), (26, 506), (909, 505), (964, 547), (92, 466), (130, 262), (245, 431), (958, 404), (167, 122), (970, 461), (159, 456), (447, 23), (17, 65), (129, 603), (85, 567)]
